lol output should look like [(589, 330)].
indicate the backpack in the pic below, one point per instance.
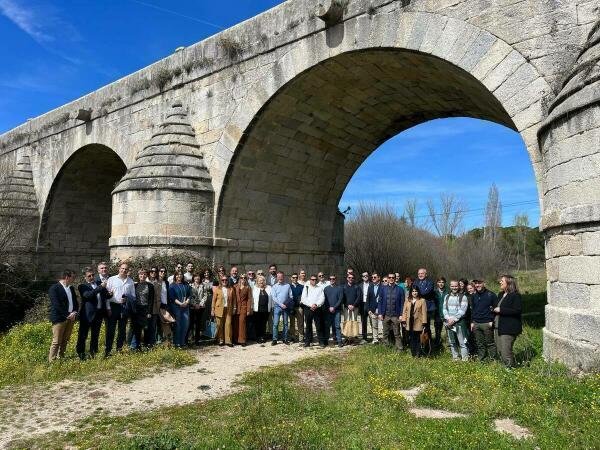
[(460, 298)]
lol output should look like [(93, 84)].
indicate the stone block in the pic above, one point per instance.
[(569, 295), (254, 258), (591, 243), (579, 269), (562, 245)]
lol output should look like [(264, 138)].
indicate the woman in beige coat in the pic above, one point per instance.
[(414, 319)]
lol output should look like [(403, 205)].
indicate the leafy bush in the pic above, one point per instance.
[(163, 260)]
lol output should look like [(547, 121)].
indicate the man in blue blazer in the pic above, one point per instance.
[(372, 306), (334, 296), (63, 313), (93, 311), (390, 311)]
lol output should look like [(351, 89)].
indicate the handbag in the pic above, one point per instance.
[(210, 330), (350, 328), (424, 338), (165, 316)]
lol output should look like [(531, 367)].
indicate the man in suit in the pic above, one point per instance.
[(102, 275), (372, 306), (351, 302), (234, 277), (363, 290), (63, 313), (93, 310), (272, 277), (334, 296), (224, 306), (390, 311)]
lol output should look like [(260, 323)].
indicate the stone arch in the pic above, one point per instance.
[(75, 225), (332, 100)]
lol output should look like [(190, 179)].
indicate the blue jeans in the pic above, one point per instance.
[(334, 320), (277, 313), (182, 321), (457, 340)]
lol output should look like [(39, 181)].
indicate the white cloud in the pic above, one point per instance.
[(27, 19)]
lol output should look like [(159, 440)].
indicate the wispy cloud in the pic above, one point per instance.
[(27, 19)]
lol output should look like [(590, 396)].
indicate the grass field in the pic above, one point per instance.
[(24, 359), (352, 400)]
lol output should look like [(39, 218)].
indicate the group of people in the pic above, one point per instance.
[(234, 308)]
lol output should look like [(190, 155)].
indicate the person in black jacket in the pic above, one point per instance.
[(351, 302), (482, 320), (142, 312), (507, 321), (93, 310), (334, 296), (63, 313)]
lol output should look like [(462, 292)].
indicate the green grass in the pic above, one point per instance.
[(24, 359), (360, 408), (358, 405)]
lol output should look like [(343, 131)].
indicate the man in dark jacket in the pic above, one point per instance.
[(351, 302), (93, 311), (334, 296), (391, 305), (63, 313), (426, 288), (373, 300), (142, 312), (363, 292), (482, 320)]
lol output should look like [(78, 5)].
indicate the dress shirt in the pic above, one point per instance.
[(313, 295), (69, 296), (281, 293), (119, 287), (365, 292), (225, 291)]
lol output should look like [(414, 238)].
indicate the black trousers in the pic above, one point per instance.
[(195, 328), (414, 338), (139, 321), (364, 319), (116, 323), (317, 318), (260, 323), (85, 327)]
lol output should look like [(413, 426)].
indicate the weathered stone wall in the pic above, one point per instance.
[(75, 226), (285, 107), (570, 140)]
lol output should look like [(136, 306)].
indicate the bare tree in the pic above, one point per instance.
[(493, 216), (448, 222), (410, 212), (521, 222)]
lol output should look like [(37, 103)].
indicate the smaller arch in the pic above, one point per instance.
[(75, 224)]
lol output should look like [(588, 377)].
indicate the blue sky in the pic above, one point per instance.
[(56, 51)]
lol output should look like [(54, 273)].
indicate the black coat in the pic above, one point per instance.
[(90, 300), (59, 303), (509, 319)]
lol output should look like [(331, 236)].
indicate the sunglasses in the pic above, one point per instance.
[(162, 270), (223, 279), (332, 278), (313, 279)]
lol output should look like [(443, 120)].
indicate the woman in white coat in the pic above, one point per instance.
[(262, 304)]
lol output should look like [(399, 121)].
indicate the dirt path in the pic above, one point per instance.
[(28, 411)]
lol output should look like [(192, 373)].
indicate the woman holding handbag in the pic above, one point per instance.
[(244, 309), (414, 319)]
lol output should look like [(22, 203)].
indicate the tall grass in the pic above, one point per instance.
[(24, 358)]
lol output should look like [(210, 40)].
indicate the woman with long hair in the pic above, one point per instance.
[(180, 293), (262, 303), (414, 319), (244, 309), (507, 322)]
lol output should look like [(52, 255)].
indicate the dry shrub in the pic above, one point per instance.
[(377, 239)]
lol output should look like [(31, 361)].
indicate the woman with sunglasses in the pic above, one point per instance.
[(224, 306)]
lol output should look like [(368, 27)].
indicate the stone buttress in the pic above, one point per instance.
[(165, 201)]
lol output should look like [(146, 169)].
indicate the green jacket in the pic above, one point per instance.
[(440, 300)]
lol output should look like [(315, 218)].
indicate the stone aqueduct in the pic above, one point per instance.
[(239, 147)]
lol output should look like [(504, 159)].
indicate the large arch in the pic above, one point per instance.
[(295, 141), (75, 225), (295, 159)]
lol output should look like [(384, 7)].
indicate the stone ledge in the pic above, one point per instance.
[(134, 241)]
